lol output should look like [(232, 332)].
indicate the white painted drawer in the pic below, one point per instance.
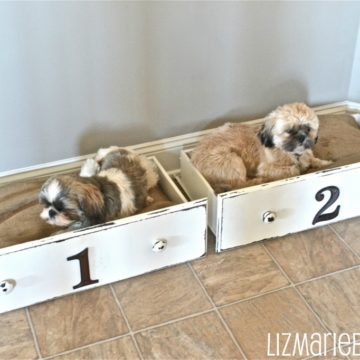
[(83, 259), (242, 217)]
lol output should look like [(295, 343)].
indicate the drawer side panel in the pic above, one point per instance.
[(197, 187)]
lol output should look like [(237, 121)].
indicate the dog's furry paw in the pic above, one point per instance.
[(318, 163), (90, 168), (326, 162), (294, 170)]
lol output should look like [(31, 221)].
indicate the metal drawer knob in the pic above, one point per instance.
[(268, 217), (7, 286), (159, 245)]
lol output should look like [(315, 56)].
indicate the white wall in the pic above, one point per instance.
[(78, 75), (354, 88)]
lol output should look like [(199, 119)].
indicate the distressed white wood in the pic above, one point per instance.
[(42, 272), (116, 250), (167, 184), (197, 187), (293, 202)]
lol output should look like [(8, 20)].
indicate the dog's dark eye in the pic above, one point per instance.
[(58, 205), (44, 201), (291, 131), (307, 129)]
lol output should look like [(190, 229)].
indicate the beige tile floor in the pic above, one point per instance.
[(219, 307)]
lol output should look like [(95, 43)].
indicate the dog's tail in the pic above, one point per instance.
[(89, 168)]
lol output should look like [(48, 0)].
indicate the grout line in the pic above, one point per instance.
[(173, 321), (296, 289), (345, 243), (354, 354), (327, 275), (255, 296), (86, 346), (32, 329), (278, 265), (126, 321), (322, 323), (228, 330), (314, 278), (136, 346)]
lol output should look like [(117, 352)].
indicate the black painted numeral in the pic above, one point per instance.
[(334, 195), (83, 258)]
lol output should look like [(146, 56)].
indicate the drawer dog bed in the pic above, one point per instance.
[(37, 265), (277, 208), (20, 211)]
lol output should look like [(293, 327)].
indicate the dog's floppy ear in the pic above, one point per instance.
[(265, 137)]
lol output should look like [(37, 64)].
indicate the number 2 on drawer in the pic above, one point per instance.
[(334, 195)]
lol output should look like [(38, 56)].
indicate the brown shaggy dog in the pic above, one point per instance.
[(113, 185), (237, 155)]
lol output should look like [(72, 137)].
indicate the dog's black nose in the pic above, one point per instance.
[(301, 138), (52, 213)]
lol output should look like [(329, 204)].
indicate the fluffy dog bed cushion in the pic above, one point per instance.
[(20, 212), (339, 140)]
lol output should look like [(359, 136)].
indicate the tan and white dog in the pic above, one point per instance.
[(237, 155), (114, 184)]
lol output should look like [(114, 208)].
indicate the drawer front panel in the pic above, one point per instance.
[(105, 255), (288, 207)]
